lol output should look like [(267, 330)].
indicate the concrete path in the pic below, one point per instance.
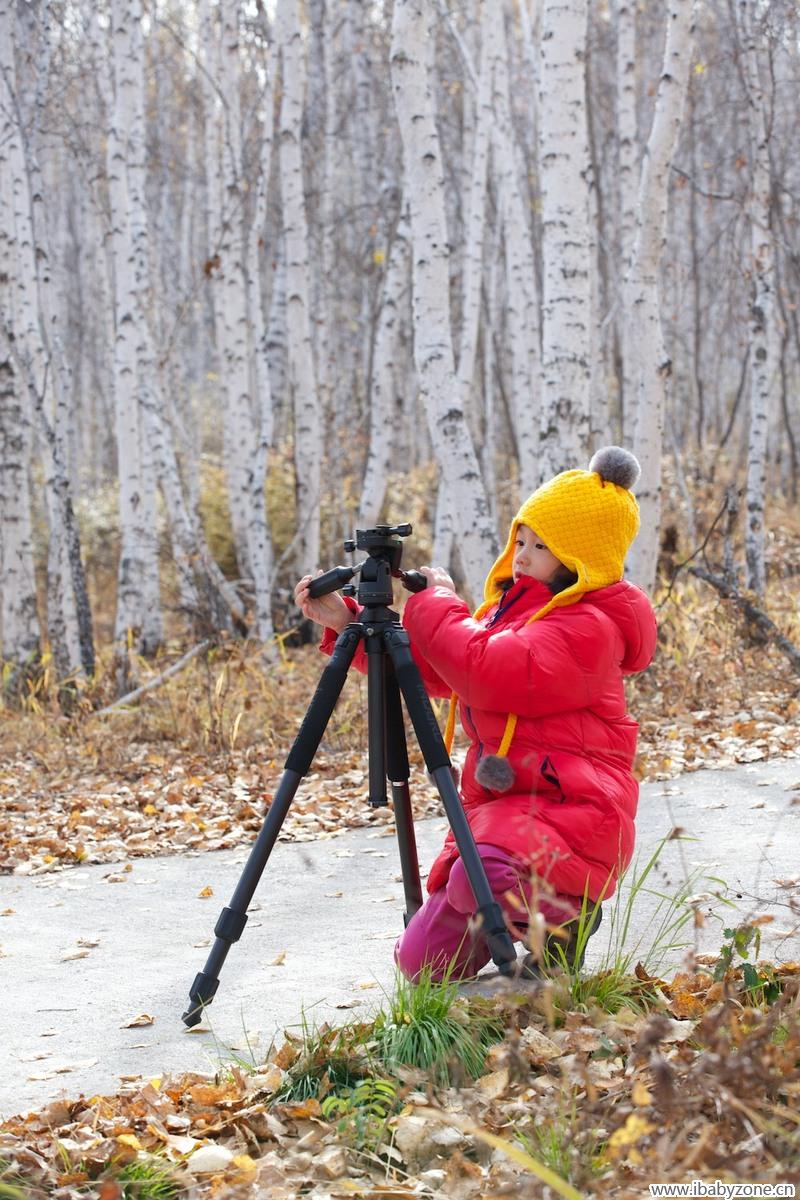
[(87, 951)]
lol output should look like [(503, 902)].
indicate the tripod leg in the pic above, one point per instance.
[(233, 919), (398, 771), (437, 760), (376, 718)]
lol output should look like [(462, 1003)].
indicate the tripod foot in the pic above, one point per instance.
[(201, 993)]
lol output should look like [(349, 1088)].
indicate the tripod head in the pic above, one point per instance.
[(385, 551)]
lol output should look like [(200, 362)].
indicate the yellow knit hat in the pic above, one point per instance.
[(588, 520)]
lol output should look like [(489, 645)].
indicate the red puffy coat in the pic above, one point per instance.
[(570, 812)]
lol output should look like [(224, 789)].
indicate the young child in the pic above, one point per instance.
[(538, 673)]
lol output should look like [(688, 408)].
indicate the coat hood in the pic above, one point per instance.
[(630, 610)]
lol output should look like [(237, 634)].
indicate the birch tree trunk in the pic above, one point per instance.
[(763, 334), (627, 184), (384, 403), (277, 351), (651, 366), (38, 364), (259, 538), (627, 134), (307, 423), (239, 318), (566, 302), (472, 268), (138, 617), (230, 314), (20, 638), (520, 268), (412, 44)]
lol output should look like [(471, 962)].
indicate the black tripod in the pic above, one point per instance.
[(390, 671)]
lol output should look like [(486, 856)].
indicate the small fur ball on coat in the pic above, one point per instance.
[(495, 773), (617, 465)]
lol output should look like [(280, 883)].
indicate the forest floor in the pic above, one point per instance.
[(610, 1082)]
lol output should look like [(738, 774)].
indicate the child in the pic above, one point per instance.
[(538, 672)]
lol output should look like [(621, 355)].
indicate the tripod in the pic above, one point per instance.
[(391, 670)]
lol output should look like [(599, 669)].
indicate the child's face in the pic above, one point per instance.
[(531, 557)]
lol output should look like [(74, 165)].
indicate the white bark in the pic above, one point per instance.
[(307, 422), (259, 538), (384, 403), (20, 637), (322, 110), (138, 614), (231, 317), (19, 624), (651, 365), (764, 337), (277, 350), (412, 43), (566, 301), (472, 266), (490, 421), (522, 319), (627, 175), (32, 340)]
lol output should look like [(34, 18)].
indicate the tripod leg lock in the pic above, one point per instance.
[(230, 925)]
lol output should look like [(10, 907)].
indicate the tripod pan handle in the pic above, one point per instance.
[(414, 581)]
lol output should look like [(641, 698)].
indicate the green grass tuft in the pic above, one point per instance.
[(362, 1113), (332, 1059), (614, 984), (429, 1026), (147, 1179)]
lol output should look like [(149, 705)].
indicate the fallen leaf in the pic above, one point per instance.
[(135, 1022), (209, 1159), (278, 960), (495, 1084), (623, 1141), (131, 1140), (205, 893)]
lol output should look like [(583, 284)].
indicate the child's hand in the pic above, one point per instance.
[(438, 577), (329, 610)]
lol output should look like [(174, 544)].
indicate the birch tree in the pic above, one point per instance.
[(522, 300), (31, 342), (239, 334), (763, 336), (566, 301), (626, 175), (139, 617), (384, 403), (20, 637), (412, 42), (307, 423), (650, 364)]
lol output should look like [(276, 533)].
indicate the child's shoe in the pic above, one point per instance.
[(567, 951)]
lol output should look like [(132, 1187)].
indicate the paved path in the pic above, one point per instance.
[(88, 950)]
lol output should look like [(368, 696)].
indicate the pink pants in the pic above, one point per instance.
[(439, 935)]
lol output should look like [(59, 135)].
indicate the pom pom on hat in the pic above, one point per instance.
[(614, 464)]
